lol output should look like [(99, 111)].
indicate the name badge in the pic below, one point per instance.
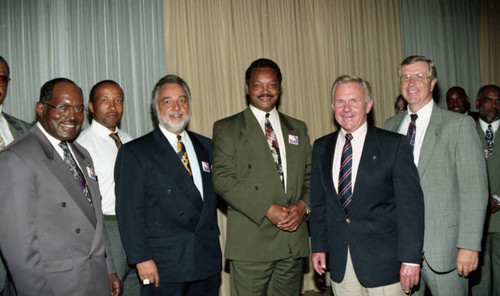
[(205, 166), (293, 140), (91, 172)]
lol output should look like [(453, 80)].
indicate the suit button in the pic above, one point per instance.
[(348, 220), (77, 230), (256, 187), (249, 166), (168, 191), (345, 243), (181, 214), (63, 204)]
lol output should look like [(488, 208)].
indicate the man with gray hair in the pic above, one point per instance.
[(367, 210), (448, 155), (165, 202)]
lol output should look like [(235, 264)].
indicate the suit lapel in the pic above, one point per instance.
[(327, 165), (258, 143), (59, 169), (292, 152), (172, 166), (430, 139), (15, 129)]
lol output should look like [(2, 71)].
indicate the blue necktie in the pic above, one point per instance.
[(75, 170), (345, 180)]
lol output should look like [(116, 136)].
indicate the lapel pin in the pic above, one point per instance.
[(437, 134), (205, 166), (293, 140), (374, 157), (91, 172)]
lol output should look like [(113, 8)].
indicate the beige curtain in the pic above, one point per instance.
[(211, 43), (489, 44)]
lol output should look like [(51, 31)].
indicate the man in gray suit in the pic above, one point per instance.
[(10, 129), (488, 104), (51, 225), (447, 152)]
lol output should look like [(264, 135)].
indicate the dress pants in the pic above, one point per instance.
[(272, 278), (350, 285), (126, 273), (447, 284)]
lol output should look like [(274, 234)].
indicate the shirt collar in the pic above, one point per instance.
[(55, 142), (494, 125), (360, 133), (424, 113), (171, 137), (261, 115), (101, 130)]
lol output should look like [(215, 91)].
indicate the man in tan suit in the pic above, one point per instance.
[(447, 152), (488, 104), (262, 161)]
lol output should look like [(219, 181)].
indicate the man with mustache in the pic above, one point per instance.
[(165, 203), (10, 128), (51, 226), (447, 153), (262, 162), (486, 280), (103, 139)]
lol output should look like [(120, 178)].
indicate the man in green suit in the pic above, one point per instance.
[(452, 171), (262, 162), (488, 104)]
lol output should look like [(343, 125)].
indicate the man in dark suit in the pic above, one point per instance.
[(458, 101), (165, 202), (452, 171), (367, 210), (51, 225), (486, 280), (262, 161), (11, 128)]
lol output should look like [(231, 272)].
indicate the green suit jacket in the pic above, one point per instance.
[(452, 174), (493, 166), (245, 175)]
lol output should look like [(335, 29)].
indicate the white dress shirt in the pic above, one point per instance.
[(357, 143), (422, 122), (103, 150), (193, 159), (5, 132), (494, 127), (274, 119)]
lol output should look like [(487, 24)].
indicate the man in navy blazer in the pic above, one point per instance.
[(373, 237), (165, 202)]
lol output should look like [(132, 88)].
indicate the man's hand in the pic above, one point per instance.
[(114, 281), (276, 213), (409, 276), (467, 261), (494, 206), (296, 213), (318, 261), (147, 271)]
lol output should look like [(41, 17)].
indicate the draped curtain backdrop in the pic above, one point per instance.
[(86, 41), (211, 43)]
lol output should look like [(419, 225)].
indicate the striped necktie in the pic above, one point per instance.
[(345, 181), (412, 130), (75, 170)]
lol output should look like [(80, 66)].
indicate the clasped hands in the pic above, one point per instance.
[(286, 218)]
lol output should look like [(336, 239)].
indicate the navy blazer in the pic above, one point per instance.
[(385, 224), (160, 212)]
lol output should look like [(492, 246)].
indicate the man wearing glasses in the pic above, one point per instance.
[(448, 155), (51, 226), (10, 129)]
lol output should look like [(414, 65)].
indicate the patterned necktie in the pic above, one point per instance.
[(412, 130), (75, 170), (117, 140), (345, 182), (181, 152), (488, 136), (272, 140), (2, 143)]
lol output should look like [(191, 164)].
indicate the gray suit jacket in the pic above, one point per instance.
[(53, 241), (453, 178), (493, 166), (17, 126)]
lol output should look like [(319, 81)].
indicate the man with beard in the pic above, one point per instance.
[(458, 101), (51, 226), (488, 275), (103, 139), (165, 202), (262, 162)]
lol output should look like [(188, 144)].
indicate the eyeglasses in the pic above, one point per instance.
[(64, 109), (4, 80), (416, 77)]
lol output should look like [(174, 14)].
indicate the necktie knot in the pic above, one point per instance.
[(413, 117), (348, 137), (116, 138)]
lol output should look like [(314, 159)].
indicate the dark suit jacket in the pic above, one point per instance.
[(474, 115), (385, 225), (17, 126), (245, 176), (53, 241), (161, 215)]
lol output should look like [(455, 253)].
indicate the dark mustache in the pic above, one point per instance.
[(265, 95)]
